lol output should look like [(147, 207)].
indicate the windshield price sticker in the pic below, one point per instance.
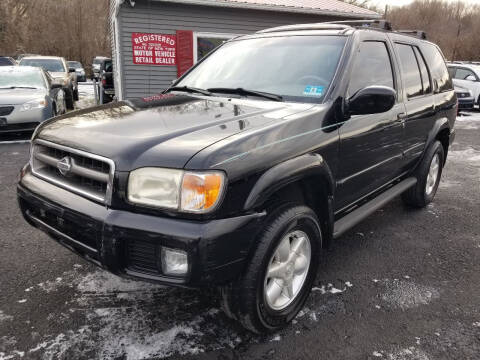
[(154, 49), (311, 90)]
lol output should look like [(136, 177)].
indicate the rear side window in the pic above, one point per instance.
[(463, 74), (410, 70), (438, 68), (372, 66), (427, 87)]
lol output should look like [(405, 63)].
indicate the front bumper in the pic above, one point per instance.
[(128, 244), (466, 103), (24, 120)]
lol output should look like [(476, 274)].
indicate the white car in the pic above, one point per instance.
[(60, 72), (466, 76)]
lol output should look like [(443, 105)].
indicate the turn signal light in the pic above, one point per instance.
[(201, 191)]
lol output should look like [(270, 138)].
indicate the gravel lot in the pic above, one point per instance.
[(402, 285)]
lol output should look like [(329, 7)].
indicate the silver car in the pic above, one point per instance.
[(57, 67), (28, 96)]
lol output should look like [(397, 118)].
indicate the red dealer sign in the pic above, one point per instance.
[(154, 49)]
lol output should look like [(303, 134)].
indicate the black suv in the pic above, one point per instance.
[(247, 168)]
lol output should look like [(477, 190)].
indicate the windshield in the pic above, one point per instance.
[(5, 61), (299, 68), (74, 64), (97, 61), (51, 65), (15, 78)]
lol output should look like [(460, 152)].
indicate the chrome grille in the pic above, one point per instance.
[(80, 172)]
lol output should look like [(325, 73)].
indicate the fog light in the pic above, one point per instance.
[(174, 262)]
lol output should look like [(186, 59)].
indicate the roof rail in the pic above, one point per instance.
[(377, 24), (300, 27), (417, 33)]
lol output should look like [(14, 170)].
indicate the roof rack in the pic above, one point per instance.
[(417, 33), (377, 24)]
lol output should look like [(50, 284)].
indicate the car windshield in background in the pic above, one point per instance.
[(50, 65), (6, 61), (21, 79), (74, 64), (298, 68), (97, 61)]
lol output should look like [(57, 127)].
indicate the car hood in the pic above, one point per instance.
[(19, 96), (165, 130)]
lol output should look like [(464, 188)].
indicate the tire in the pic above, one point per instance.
[(69, 99), (424, 191), (246, 299)]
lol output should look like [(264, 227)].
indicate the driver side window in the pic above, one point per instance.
[(372, 66)]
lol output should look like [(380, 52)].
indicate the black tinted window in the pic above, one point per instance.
[(427, 87), (438, 68), (372, 66), (410, 71), (5, 62)]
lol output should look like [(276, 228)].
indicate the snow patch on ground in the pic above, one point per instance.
[(470, 155), (5, 317), (133, 320), (330, 289), (407, 294)]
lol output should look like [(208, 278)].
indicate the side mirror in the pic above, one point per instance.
[(372, 100), (70, 70), (471, 78), (56, 86)]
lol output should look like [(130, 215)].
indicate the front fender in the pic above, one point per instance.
[(287, 172)]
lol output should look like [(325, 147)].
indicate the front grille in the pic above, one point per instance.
[(19, 127), (143, 256), (83, 173), (6, 110)]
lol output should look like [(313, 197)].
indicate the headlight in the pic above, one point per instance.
[(34, 104), (186, 191)]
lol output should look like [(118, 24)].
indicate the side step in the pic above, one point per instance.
[(357, 215)]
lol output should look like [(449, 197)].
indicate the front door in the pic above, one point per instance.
[(370, 145)]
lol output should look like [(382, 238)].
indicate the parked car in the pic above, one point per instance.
[(79, 70), (246, 169), (28, 96), (107, 87), (7, 61), (97, 61), (60, 72), (466, 101), (467, 76)]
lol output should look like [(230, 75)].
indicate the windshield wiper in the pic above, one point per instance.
[(242, 91), (189, 89)]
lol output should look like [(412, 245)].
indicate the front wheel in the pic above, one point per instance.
[(279, 276), (428, 176)]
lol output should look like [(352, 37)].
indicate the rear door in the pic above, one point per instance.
[(419, 101), (370, 145)]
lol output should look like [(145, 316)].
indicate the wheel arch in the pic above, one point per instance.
[(441, 131), (306, 179)]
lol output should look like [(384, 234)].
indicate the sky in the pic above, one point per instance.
[(382, 3)]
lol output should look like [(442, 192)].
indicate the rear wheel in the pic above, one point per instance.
[(428, 176), (279, 276)]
